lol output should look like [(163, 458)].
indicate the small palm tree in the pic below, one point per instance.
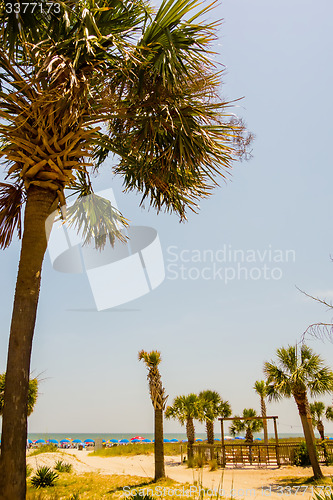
[(249, 426), (213, 407), (297, 372), (260, 388), (158, 398), (186, 409), (317, 410)]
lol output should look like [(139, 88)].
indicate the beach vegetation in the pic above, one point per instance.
[(81, 81), (44, 477), (317, 410), (186, 409), (61, 466), (297, 372), (301, 455), (260, 387), (132, 449), (158, 398), (44, 448), (213, 407), (248, 426)]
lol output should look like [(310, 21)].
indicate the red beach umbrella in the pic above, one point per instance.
[(137, 437)]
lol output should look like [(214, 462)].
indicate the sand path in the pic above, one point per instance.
[(248, 484)]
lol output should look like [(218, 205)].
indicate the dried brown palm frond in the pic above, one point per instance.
[(11, 199)]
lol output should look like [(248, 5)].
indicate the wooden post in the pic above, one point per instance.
[(276, 442), (222, 444), (181, 453)]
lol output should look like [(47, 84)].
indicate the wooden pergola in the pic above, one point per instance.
[(274, 418)]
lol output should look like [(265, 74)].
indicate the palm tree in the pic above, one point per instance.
[(297, 372), (317, 410), (249, 426), (146, 79), (260, 388), (32, 394), (186, 409), (158, 398), (329, 413), (213, 407)]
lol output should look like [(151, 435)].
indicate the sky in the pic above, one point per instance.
[(214, 328)]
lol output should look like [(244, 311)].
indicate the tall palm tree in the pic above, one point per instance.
[(249, 426), (186, 409), (260, 388), (317, 410), (329, 413), (299, 370), (32, 394), (78, 81), (158, 398), (213, 407)]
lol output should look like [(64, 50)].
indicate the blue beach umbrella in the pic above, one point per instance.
[(173, 440), (77, 441), (166, 440), (257, 439), (89, 440), (124, 441), (113, 441), (65, 441), (53, 441), (216, 439), (135, 441), (40, 441), (146, 441), (184, 440), (29, 441), (199, 440)]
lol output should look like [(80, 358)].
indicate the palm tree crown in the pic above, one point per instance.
[(213, 407), (249, 426)]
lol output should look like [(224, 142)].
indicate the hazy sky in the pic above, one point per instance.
[(211, 334)]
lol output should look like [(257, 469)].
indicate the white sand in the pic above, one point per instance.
[(243, 483)]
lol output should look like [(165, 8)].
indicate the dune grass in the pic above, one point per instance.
[(170, 449), (44, 448), (92, 486)]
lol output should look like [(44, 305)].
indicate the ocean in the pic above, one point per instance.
[(109, 435)]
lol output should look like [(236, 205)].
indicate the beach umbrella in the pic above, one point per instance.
[(40, 441), (199, 440), (53, 441), (135, 440), (77, 441), (257, 439), (166, 440), (124, 441), (65, 441), (173, 440), (146, 441), (113, 440), (184, 440), (29, 441), (138, 437), (218, 439), (88, 440)]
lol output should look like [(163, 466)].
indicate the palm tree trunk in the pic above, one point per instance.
[(190, 432), (40, 203), (304, 412), (210, 436), (159, 445), (320, 428), (264, 414)]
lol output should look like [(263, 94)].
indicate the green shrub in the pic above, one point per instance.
[(301, 455), (45, 448), (212, 464), (28, 470), (61, 466), (44, 477), (199, 460)]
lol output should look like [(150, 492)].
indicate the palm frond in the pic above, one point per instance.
[(11, 199)]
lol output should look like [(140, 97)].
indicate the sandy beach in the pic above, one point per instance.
[(246, 483)]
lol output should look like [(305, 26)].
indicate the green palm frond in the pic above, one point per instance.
[(329, 413), (298, 369), (213, 406), (317, 410), (152, 358), (185, 407)]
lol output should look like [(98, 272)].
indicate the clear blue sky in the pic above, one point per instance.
[(211, 334)]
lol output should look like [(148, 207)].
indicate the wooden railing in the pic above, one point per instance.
[(258, 454)]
